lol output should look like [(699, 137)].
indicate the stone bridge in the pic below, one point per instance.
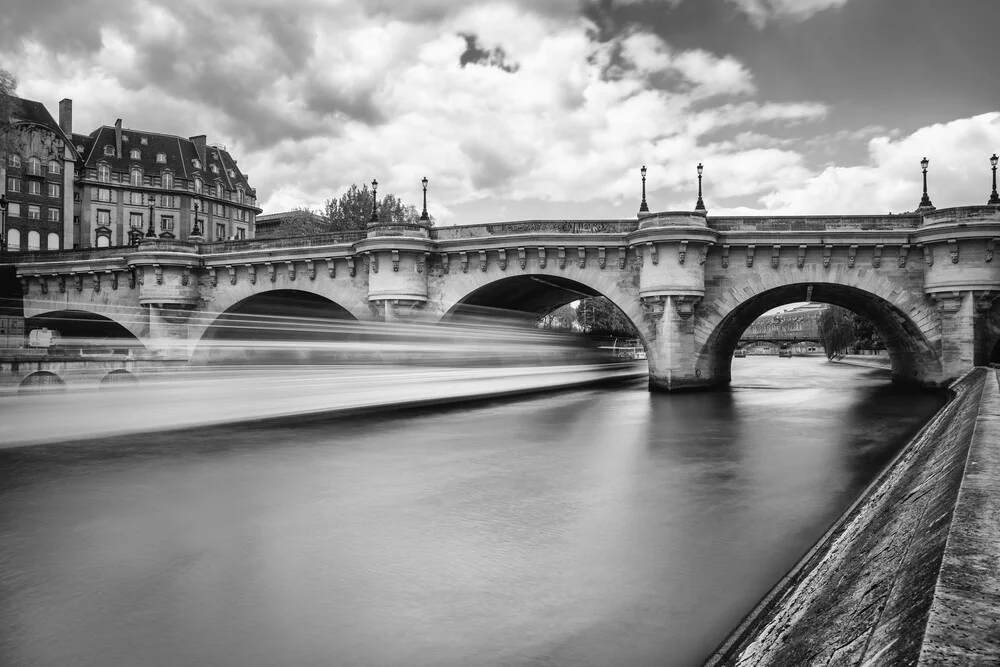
[(691, 283)]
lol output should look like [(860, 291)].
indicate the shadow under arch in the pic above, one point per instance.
[(912, 354), (524, 299), (286, 317), (41, 381), (95, 329)]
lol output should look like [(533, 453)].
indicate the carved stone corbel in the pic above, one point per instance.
[(904, 250), (581, 257), (750, 253), (685, 305), (562, 257), (703, 254), (252, 273), (232, 273), (800, 257), (158, 271), (775, 256), (928, 255), (852, 255), (140, 275), (395, 261), (877, 256), (953, 250), (78, 278), (654, 255), (290, 267), (622, 255), (272, 275), (503, 259), (682, 251), (482, 260), (725, 256), (522, 257), (652, 307), (602, 257), (948, 303), (186, 276), (351, 269), (95, 281), (422, 261), (131, 281), (989, 249), (331, 268), (43, 282), (463, 260), (213, 278), (827, 250), (114, 279), (372, 259), (25, 285), (541, 257)]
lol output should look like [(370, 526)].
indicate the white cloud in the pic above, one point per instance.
[(760, 12)]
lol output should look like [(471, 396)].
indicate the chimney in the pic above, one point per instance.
[(200, 146), (66, 117), (118, 137)]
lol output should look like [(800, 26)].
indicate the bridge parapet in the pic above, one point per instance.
[(837, 223)]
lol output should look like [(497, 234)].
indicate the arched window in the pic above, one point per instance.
[(134, 154), (167, 179), (109, 150), (161, 158), (54, 167), (239, 195), (136, 177), (13, 240), (52, 242), (197, 185), (34, 166), (104, 173), (34, 240), (14, 160)]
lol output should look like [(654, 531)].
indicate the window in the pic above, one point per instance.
[(34, 212), (197, 185), (135, 198), (34, 188), (54, 167), (52, 241), (54, 190), (241, 233), (104, 173), (34, 241), (167, 223), (134, 154), (161, 158), (232, 174), (13, 184), (103, 218), (104, 194), (239, 195), (219, 209), (14, 160), (167, 180), (103, 240), (144, 141), (220, 231), (197, 163), (53, 215), (135, 220), (214, 168), (167, 201), (13, 240), (34, 166), (220, 191), (79, 149), (109, 150), (13, 210), (136, 177), (76, 220), (76, 195)]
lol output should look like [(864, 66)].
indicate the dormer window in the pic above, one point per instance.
[(79, 149), (232, 174), (219, 191), (239, 195), (167, 179), (125, 138), (134, 154), (161, 158), (144, 141), (104, 173), (197, 185), (215, 169), (135, 177), (109, 150), (197, 163)]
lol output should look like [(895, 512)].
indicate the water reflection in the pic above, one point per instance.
[(599, 527)]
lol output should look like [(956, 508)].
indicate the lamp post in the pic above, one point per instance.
[(374, 200), (700, 206), (3, 219), (925, 201), (643, 208), (994, 197), (194, 230), (425, 217), (151, 229)]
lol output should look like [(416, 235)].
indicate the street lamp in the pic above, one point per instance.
[(374, 200), (925, 201), (3, 219), (194, 230), (151, 230), (424, 216), (994, 197), (643, 208), (700, 206)]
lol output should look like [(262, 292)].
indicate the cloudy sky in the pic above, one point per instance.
[(520, 109)]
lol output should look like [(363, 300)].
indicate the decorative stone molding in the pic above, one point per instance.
[(685, 305), (395, 261), (114, 279), (725, 256), (25, 285), (405, 309), (602, 257), (140, 275), (131, 281), (186, 276), (252, 273), (272, 275), (95, 281), (78, 279), (213, 279), (445, 263), (62, 283), (464, 261), (852, 256), (947, 303), (372, 261), (953, 250), (502, 254), (541, 257), (622, 256), (775, 256), (682, 252), (750, 253), (581, 257), (652, 307), (43, 282), (989, 249), (232, 273), (482, 260), (654, 254), (800, 257), (158, 271), (351, 269), (928, 255), (562, 257), (422, 261), (522, 257), (703, 255), (877, 256), (827, 251), (904, 250)]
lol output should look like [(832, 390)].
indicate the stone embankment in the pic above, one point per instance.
[(910, 574), (867, 360)]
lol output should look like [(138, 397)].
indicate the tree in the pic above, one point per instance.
[(9, 106), (600, 317), (836, 330), (866, 337), (560, 319), (353, 210)]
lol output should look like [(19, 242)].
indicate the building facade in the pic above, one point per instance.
[(117, 185)]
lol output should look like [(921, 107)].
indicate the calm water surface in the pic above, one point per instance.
[(596, 527)]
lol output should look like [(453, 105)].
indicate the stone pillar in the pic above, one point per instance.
[(167, 271), (396, 258)]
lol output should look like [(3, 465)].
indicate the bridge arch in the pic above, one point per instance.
[(113, 325), (909, 327), (41, 381)]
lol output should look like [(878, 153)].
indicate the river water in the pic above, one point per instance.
[(594, 527)]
